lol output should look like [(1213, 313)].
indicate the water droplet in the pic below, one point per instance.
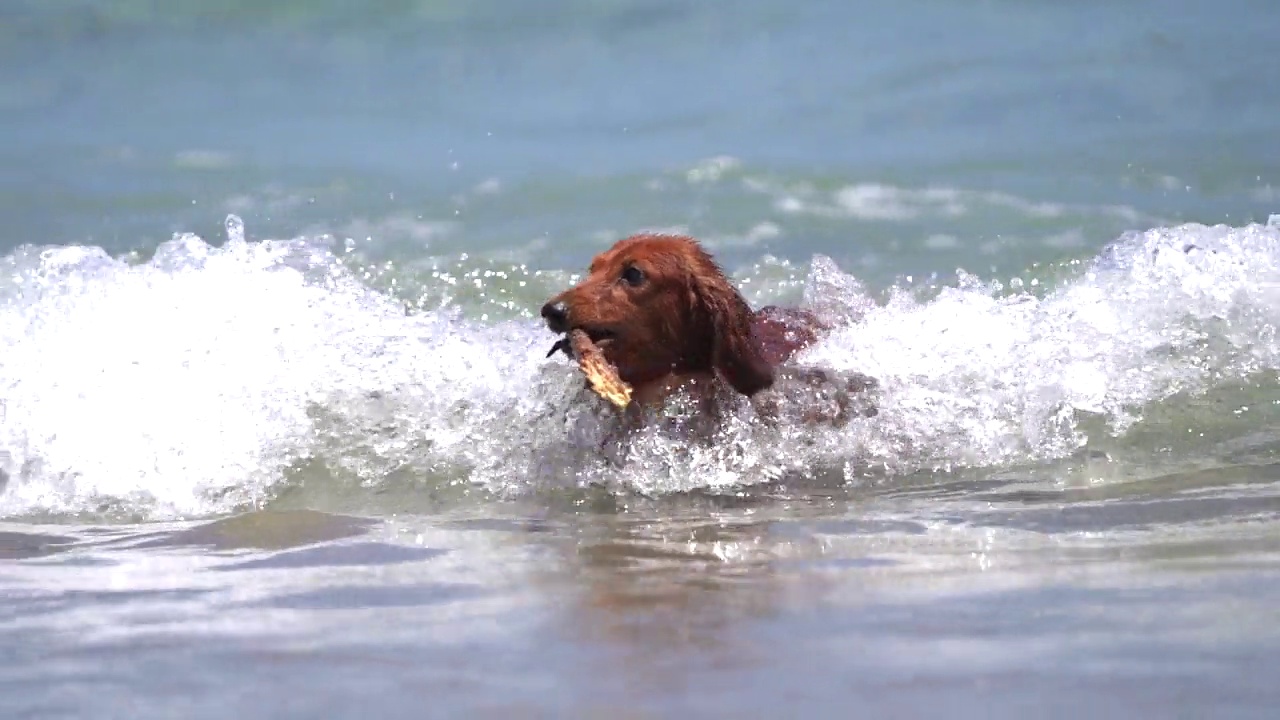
[(235, 229)]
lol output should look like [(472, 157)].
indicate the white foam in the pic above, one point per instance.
[(712, 169), (977, 377), (190, 384), (186, 385), (890, 203)]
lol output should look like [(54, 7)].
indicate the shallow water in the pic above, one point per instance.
[(983, 597), (278, 437)]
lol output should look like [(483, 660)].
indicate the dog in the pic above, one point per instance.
[(667, 318)]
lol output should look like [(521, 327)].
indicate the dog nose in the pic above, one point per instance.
[(557, 316)]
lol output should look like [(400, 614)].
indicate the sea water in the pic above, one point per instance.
[(278, 436)]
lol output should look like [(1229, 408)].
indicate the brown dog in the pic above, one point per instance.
[(664, 314)]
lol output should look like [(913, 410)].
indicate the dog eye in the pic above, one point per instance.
[(632, 275)]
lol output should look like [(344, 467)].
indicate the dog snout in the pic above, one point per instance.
[(556, 313)]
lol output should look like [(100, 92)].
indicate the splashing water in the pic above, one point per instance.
[(979, 378), (210, 379)]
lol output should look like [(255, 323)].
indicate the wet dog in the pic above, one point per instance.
[(667, 318)]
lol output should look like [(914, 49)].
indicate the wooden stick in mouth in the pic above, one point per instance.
[(602, 376)]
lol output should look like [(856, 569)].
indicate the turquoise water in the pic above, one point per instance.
[(278, 436)]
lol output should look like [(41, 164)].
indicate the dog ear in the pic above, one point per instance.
[(736, 353)]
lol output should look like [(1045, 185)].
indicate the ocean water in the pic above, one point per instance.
[(278, 436)]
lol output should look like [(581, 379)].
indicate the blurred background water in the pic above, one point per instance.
[(278, 437)]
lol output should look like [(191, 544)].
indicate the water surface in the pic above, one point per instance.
[(278, 437)]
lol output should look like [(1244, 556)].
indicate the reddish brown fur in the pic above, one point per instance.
[(681, 324)]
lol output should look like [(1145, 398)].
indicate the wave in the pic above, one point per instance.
[(211, 379)]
